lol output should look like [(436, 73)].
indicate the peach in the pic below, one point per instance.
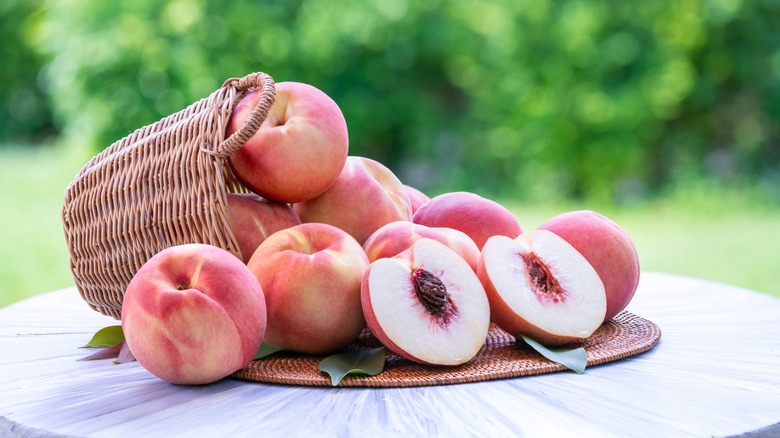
[(300, 148), (311, 276), (607, 247), (396, 237), (478, 217), (193, 314), (426, 304), (541, 287), (416, 197), (253, 219), (365, 196)]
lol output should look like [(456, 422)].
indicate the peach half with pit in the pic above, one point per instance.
[(541, 287), (193, 314), (607, 247), (426, 304)]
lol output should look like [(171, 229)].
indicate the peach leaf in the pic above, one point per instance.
[(266, 350), (574, 359), (365, 361), (106, 337)]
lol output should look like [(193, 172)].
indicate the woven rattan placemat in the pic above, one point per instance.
[(502, 357)]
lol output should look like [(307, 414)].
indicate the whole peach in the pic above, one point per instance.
[(254, 218), (311, 275), (398, 236), (480, 218), (299, 149), (364, 197), (193, 314), (607, 247), (416, 197)]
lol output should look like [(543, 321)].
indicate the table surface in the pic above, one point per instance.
[(715, 372)]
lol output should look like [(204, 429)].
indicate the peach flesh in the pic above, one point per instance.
[(516, 288), (400, 319), (607, 247)]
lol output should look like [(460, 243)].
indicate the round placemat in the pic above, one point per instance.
[(501, 357)]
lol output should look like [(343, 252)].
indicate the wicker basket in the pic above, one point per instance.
[(163, 185)]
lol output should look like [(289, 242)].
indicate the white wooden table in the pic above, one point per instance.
[(715, 372)]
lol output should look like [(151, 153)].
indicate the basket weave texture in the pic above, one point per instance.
[(163, 185), (501, 357)]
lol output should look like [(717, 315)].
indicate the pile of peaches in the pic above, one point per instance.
[(331, 244)]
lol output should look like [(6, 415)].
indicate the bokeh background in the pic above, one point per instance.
[(661, 114)]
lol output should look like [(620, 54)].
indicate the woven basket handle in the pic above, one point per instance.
[(256, 117)]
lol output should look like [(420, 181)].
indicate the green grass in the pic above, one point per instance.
[(705, 231), (740, 248), (32, 244)]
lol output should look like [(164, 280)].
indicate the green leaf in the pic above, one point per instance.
[(266, 350), (106, 337), (368, 361), (574, 359)]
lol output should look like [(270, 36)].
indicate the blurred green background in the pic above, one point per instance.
[(661, 114)]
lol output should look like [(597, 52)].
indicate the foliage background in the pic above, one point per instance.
[(597, 103), (608, 100)]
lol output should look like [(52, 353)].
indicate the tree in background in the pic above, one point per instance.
[(25, 117), (536, 99)]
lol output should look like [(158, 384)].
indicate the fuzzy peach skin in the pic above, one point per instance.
[(254, 218), (311, 275), (300, 148), (478, 217), (416, 197), (607, 247), (398, 236), (365, 196), (193, 314)]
